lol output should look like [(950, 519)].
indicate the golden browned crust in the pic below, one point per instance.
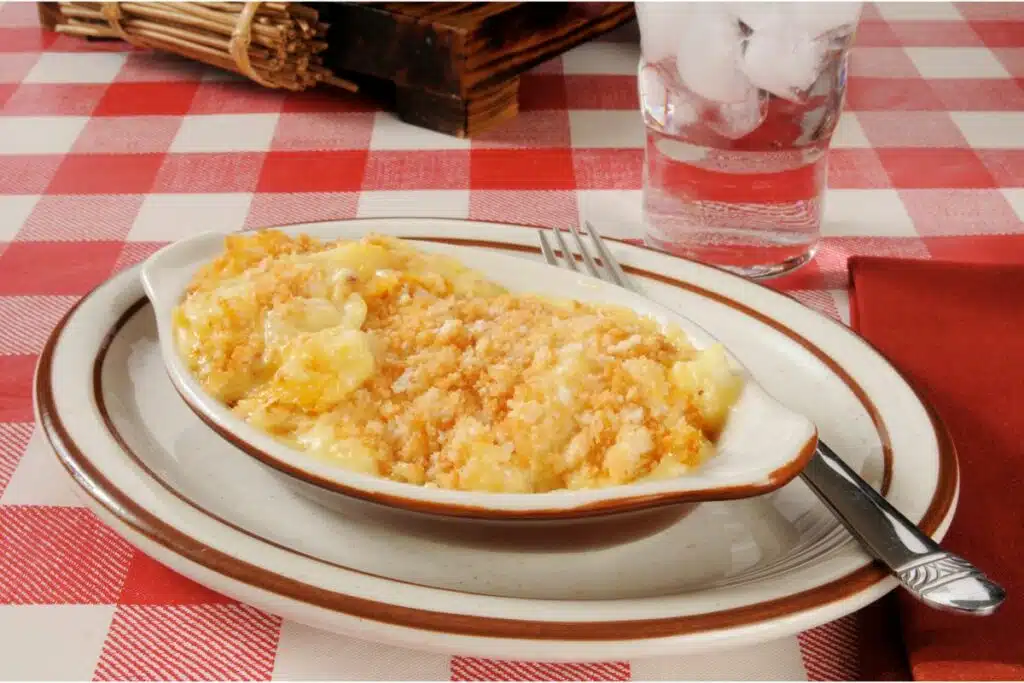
[(407, 365)]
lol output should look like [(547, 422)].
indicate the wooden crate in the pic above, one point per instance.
[(454, 66)]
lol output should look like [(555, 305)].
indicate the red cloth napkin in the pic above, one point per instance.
[(957, 331)]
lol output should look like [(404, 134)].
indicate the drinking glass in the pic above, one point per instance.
[(740, 100)]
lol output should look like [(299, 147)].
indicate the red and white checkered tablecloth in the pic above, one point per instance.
[(106, 153)]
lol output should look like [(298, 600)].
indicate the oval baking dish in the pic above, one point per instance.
[(762, 447)]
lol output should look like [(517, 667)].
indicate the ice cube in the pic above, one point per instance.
[(664, 104), (737, 119), (709, 54), (818, 18), (814, 18), (784, 61), (758, 15), (660, 24)]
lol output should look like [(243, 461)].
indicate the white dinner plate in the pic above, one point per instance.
[(729, 574)]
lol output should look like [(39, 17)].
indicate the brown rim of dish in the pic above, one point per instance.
[(156, 530)]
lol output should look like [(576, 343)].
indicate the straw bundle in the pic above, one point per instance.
[(276, 44)]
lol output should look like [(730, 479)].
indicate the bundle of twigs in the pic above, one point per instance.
[(276, 44)]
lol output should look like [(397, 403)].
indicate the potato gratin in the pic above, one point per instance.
[(408, 365)]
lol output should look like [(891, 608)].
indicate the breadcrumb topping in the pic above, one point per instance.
[(405, 364)]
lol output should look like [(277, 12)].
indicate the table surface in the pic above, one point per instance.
[(107, 153)]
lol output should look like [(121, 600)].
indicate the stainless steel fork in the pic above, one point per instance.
[(931, 574)]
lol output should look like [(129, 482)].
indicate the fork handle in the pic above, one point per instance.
[(931, 574)]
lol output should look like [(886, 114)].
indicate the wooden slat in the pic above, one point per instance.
[(456, 15), (484, 68), (49, 14), (457, 53)]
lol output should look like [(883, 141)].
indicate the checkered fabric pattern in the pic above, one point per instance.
[(928, 161)]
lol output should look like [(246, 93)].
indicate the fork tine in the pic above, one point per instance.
[(587, 258), (613, 266), (545, 247), (569, 258)]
